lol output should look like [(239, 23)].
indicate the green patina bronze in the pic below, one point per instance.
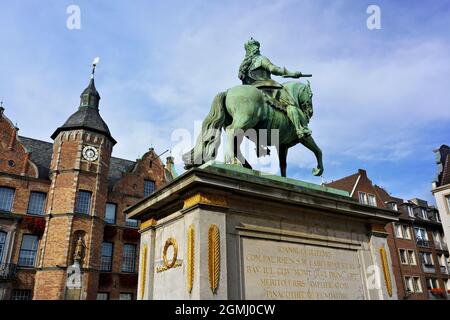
[(260, 103)]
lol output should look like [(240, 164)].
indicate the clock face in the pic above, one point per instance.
[(90, 153)]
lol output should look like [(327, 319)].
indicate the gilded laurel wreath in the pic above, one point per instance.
[(190, 258), (213, 257)]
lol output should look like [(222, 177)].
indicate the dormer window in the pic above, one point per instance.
[(410, 211), (392, 206), (424, 213), (362, 198), (85, 100), (372, 200)]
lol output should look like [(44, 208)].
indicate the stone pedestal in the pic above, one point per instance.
[(225, 232)]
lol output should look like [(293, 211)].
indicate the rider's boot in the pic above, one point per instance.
[(294, 115)]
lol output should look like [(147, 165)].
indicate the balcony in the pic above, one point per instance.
[(8, 271), (436, 294), (440, 245), (429, 268), (423, 243)]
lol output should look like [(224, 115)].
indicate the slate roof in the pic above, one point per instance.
[(87, 115), (117, 167), (41, 155), (446, 172), (85, 118)]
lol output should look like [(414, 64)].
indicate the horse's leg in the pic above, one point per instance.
[(309, 143), (282, 156), (236, 129)]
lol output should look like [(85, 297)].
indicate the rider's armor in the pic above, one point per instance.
[(259, 75)]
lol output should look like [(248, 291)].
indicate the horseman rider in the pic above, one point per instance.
[(256, 70)]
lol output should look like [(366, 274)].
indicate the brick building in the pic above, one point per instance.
[(54, 194), (417, 243)]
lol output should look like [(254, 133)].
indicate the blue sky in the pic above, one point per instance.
[(381, 97)]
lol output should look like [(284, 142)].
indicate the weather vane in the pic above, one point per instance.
[(94, 65)]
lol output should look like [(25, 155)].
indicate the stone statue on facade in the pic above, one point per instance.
[(281, 111), (79, 250)]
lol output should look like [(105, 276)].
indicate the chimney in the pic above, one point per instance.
[(362, 172), (170, 165)]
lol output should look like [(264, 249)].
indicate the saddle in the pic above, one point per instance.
[(271, 90)]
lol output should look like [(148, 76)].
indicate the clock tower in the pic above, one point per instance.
[(76, 203)]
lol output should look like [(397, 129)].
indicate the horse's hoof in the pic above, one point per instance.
[(317, 172)]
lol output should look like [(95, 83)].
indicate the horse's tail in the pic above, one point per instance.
[(209, 139)]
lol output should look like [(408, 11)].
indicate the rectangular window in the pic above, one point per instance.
[(6, 199), (427, 259), (398, 230), (110, 214), (421, 234), (83, 203), (2, 244), (412, 258), (131, 223), (448, 202), (362, 197), (36, 204), (102, 296), (129, 258), (149, 187), (417, 284), (126, 296), (106, 257), (436, 236), (28, 250), (441, 259), (410, 211), (424, 214), (372, 200), (21, 295), (406, 232), (409, 285), (403, 256), (432, 284)]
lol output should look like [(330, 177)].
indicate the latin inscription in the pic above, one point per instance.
[(279, 270)]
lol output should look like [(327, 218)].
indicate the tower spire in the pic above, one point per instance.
[(90, 97), (94, 65)]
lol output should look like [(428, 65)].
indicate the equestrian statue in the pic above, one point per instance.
[(264, 105)]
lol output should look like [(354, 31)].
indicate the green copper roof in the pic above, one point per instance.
[(241, 170)]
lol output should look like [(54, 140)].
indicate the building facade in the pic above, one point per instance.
[(417, 242), (441, 187), (66, 199)]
